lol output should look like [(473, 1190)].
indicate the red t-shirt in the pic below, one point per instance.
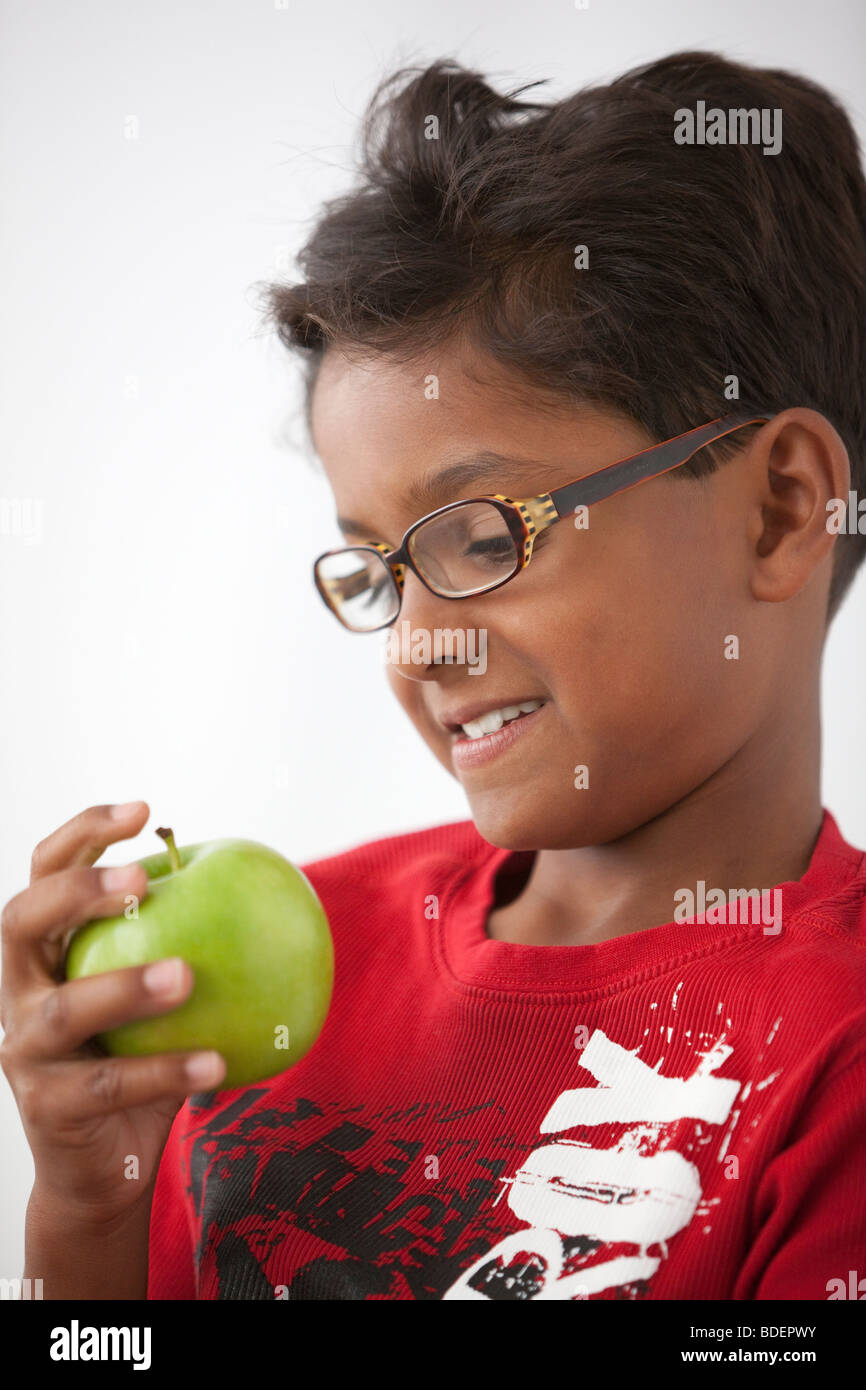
[(679, 1113)]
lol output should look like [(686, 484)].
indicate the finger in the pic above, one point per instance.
[(84, 838), (67, 1093), (37, 921), (64, 1017)]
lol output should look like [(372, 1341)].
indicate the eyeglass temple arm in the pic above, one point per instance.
[(617, 477)]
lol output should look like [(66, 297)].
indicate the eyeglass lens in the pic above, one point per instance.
[(466, 550), (360, 587)]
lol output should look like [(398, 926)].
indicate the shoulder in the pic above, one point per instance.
[(828, 905), (816, 965), (395, 862)]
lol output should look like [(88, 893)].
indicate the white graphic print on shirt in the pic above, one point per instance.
[(613, 1195)]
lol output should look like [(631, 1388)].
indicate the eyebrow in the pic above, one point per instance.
[(436, 489)]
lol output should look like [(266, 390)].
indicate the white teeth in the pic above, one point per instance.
[(494, 719), (491, 721)]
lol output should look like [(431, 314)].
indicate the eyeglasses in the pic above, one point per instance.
[(477, 545)]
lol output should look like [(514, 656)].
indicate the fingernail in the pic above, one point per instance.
[(205, 1068), (164, 976), (126, 809), (113, 880)]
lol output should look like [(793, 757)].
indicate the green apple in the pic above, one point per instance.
[(257, 939)]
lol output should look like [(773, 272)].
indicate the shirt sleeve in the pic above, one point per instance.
[(811, 1200), (171, 1263)]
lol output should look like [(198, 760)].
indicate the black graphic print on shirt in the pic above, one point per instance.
[(405, 1204)]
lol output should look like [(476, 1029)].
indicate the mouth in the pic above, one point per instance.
[(480, 734), (474, 724)]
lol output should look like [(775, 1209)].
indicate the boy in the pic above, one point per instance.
[(608, 1038)]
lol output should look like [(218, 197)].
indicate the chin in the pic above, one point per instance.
[(517, 820), (512, 824)]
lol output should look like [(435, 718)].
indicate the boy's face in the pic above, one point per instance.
[(619, 628)]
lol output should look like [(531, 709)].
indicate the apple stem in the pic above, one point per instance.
[(173, 856)]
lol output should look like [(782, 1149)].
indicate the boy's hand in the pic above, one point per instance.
[(87, 1115)]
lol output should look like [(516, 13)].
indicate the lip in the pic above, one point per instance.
[(467, 753), (464, 714)]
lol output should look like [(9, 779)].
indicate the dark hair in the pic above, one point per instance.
[(703, 261)]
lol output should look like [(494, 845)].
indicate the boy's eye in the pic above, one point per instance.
[(372, 593), (491, 549)]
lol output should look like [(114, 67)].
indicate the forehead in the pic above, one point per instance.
[(385, 429), (450, 390), (448, 402)]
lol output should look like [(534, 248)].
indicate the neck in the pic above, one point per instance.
[(752, 824)]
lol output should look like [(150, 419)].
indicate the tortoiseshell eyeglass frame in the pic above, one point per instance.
[(528, 517)]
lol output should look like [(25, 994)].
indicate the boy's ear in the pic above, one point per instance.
[(801, 465)]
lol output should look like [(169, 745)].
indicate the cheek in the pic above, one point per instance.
[(410, 695), (402, 689), (633, 649)]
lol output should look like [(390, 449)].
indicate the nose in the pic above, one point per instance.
[(430, 632)]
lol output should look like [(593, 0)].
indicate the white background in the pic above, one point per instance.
[(163, 640)]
